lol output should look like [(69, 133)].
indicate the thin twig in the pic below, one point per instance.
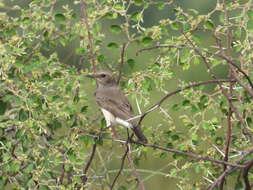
[(122, 60), (229, 170), (121, 167), (193, 156), (85, 20), (87, 166), (129, 157), (230, 94), (179, 90), (245, 175), (157, 47)]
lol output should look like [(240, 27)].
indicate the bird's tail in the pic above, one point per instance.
[(139, 134)]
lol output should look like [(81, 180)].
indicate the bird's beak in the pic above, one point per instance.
[(91, 76)]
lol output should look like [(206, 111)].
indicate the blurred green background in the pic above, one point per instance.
[(154, 169)]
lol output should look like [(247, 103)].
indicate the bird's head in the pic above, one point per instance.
[(104, 78)]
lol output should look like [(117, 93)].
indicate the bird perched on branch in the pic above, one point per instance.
[(114, 104)]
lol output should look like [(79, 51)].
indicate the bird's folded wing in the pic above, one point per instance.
[(115, 102)]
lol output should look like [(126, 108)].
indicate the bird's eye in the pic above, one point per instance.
[(102, 75)]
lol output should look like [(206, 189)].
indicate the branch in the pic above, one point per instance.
[(177, 91), (193, 156), (245, 175), (122, 57), (129, 157), (121, 166), (86, 168), (157, 47), (229, 170), (85, 18)]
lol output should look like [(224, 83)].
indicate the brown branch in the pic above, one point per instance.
[(229, 170), (230, 93), (129, 157), (86, 168), (245, 174), (179, 90), (229, 61), (193, 156), (158, 47), (122, 60), (121, 166), (62, 174), (85, 20)]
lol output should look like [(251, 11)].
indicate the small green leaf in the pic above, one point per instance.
[(219, 140), (209, 24), (112, 45), (131, 62), (163, 155), (147, 40), (174, 137), (175, 26), (138, 2), (136, 16), (60, 18), (175, 107), (23, 115), (250, 14), (111, 15), (3, 107), (250, 25), (116, 29)]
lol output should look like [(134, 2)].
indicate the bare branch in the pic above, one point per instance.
[(179, 90), (122, 60), (85, 20), (245, 174), (193, 156), (121, 166), (87, 166), (159, 46), (229, 170)]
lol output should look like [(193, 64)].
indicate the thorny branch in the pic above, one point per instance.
[(122, 60), (229, 170), (121, 166), (245, 174), (85, 20), (158, 104), (155, 146)]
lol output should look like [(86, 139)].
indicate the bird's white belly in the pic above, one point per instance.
[(110, 119)]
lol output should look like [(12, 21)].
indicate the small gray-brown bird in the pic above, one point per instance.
[(114, 104)]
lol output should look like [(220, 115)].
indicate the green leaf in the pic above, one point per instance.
[(136, 16), (138, 2), (131, 62), (209, 24), (250, 14), (175, 26), (163, 155), (3, 107), (147, 40), (84, 109), (250, 25), (111, 15), (175, 107), (112, 45), (60, 18), (219, 140), (175, 137), (23, 115), (116, 29)]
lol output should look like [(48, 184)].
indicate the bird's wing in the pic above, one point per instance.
[(113, 100)]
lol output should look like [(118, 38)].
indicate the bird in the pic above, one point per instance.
[(114, 103)]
